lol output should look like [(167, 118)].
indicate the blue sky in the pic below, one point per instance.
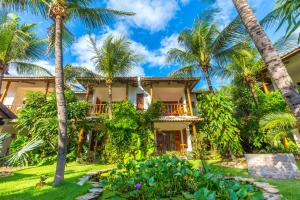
[(152, 31)]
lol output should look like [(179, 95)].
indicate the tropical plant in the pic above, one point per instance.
[(171, 178), (270, 56), (203, 47), (279, 127), (114, 58), (285, 12), (38, 119), (62, 11), (219, 125), (3, 137), (245, 66), (19, 45), (130, 133)]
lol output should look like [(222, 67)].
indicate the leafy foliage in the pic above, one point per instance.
[(38, 119), (170, 177), (19, 44), (219, 125), (129, 132)]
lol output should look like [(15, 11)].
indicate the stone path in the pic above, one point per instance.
[(270, 192), (96, 190)]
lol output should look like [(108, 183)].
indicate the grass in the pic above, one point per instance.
[(22, 184), (290, 189)]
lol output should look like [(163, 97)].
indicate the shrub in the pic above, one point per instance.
[(219, 126), (130, 133), (169, 177)]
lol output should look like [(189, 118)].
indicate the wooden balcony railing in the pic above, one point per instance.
[(98, 109), (15, 107), (175, 109)]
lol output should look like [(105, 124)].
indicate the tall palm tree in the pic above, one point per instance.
[(114, 58), (19, 44), (203, 46), (245, 66), (270, 56), (61, 11)]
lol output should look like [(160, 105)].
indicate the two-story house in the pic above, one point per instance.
[(174, 129)]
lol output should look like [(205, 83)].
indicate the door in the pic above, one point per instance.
[(140, 101)]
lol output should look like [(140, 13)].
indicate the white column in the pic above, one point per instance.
[(189, 139)]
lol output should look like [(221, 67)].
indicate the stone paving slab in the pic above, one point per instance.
[(272, 166)]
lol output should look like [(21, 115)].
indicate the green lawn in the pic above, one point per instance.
[(290, 189), (22, 184)]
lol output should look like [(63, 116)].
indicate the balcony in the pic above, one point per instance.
[(175, 109), (98, 109)]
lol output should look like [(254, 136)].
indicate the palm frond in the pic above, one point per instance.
[(72, 72), (94, 17), (20, 158), (278, 122), (25, 68), (3, 137), (183, 72)]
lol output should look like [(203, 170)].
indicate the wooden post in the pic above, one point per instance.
[(80, 142), (87, 96), (266, 90), (151, 93), (190, 101), (127, 91), (194, 129), (47, 88), (5, 92)]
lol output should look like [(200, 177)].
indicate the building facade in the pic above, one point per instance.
[(173, 130)]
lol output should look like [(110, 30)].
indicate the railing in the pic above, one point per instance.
[(175, 109), (15, 107), (98, 109)]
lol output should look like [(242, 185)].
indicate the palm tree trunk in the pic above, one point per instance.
[(251, 85), (61, 103), (109, 86), (274, 64), (205, 70), (1, 77)]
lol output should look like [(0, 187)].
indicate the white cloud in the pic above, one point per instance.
[(153, 58), (153, 15), (227, 10)]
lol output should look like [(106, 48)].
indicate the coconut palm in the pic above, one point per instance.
[(203, 46), (62, 11), (18, 45), (245, 66), (279, 127), (270, 56), (114, 58)]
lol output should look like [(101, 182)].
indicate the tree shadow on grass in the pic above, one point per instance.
[(67, 190)]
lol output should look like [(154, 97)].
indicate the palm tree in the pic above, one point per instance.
[(18, 44), (61, 11), (285, 11), (245, 66), (279, 127), (270, 56), (201, 44), (114, 58)]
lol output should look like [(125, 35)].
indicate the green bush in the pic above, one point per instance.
[(171, 178), (129, 132), (38, 119), (219, 126)]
